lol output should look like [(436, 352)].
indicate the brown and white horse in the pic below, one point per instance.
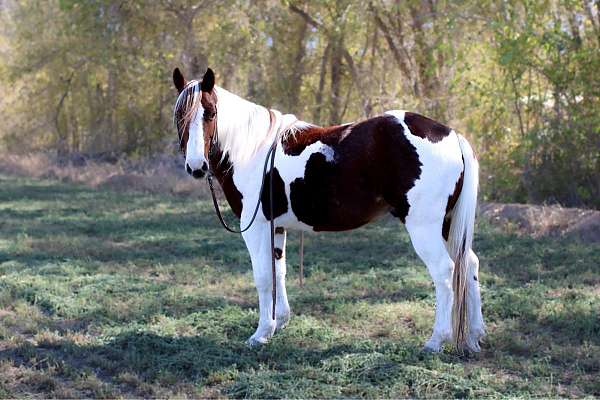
[(339, 178)]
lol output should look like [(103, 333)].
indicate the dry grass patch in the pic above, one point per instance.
[(544, 220)]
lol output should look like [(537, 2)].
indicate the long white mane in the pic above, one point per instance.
[(243, 126)]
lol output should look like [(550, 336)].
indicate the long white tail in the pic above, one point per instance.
[(460, 239)]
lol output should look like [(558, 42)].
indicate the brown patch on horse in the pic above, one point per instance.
[(353, 190), (452, 199), (209, 117), (280, 203), (280, 230), (223, 171), (294, 144), (278, 253), (425, 128)]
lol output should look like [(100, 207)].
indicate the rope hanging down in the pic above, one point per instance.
[(270, 161)]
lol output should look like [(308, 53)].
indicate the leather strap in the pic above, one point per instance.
[(269, 160)]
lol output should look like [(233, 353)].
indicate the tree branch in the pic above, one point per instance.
[(345, 54), (390, 41), (313, 22)]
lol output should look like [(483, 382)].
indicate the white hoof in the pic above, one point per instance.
[(431, 349), (262, 335), (473, 338), (473, 346), (436, 341), (433, 345), (256, 342)]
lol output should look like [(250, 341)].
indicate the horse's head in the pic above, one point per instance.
[(195, 117)]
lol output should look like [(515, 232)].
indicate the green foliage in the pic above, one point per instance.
[(106, 294), (546, 55), (518, 77)]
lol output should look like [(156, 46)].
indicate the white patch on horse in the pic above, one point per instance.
[(346, 132), (441, 166), (291, 126), (327, 151), (292, 167), (242, 127)]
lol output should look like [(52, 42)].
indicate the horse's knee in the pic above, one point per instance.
[(263, 279)]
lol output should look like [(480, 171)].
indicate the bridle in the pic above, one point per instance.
[(270, 162), (269, 159)]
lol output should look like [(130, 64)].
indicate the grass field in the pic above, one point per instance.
[(106, 294)]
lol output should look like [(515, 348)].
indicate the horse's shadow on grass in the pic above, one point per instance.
[(210, 357), (160, 359)]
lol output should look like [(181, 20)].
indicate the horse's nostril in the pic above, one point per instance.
[(204, 167), (188, 169), (198, 174)]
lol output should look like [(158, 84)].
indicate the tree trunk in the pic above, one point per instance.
[(336, 79), (297, 67), (110, 139), (319, 94)]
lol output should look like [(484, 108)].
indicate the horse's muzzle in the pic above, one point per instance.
[(197, 173)]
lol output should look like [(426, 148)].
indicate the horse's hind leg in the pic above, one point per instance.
[(476, 324), (429, 245)]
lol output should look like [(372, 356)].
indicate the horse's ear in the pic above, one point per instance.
[(178, 80), (208, 81)]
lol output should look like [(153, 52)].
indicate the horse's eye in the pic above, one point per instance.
[(209, 115)]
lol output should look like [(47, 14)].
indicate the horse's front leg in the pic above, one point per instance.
[(258, 242), (282, 308)]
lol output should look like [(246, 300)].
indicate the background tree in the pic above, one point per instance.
[(518, 77)]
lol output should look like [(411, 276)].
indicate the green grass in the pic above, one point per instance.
[(106, 294)]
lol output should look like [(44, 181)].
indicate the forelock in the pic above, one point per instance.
[(187, 103)]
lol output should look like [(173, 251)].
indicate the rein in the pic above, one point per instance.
[(270, 156), (269, 161)]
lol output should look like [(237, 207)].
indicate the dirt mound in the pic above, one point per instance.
[(538, 221)]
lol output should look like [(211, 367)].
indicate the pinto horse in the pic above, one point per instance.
[(339, 178)]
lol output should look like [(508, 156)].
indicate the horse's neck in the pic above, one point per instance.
[(246, 132), (242, 127)]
